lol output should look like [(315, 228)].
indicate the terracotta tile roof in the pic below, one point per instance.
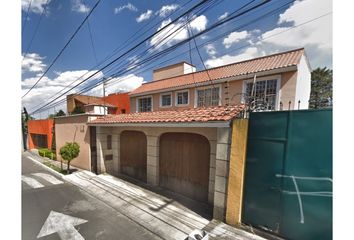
[(220, 113), (266, 63)]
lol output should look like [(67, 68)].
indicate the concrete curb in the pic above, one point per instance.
[(46, 167)]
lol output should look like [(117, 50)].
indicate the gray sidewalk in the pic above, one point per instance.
[(165, 217)]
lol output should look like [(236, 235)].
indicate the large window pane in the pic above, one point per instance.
[(144, 104), (264, 94), (182, 98), (208, 97)]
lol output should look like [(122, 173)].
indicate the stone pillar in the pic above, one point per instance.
[(212, 171), (223, 143), (116, 153), (152, 160), (100, 142)]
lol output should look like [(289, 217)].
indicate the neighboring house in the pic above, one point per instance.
[(178, 134), (40, 133), (282, 82), (115, 103), (73, 128)]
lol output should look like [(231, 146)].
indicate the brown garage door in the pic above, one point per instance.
[(133, 154), (184, 164)]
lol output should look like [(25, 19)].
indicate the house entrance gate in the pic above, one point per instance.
[(288, 175)]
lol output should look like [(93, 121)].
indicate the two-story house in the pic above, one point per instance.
[(178, 134)]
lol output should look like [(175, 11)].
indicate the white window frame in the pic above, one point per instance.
[(176, 98), (258, 79), (164, 94), (137, 102), (207, 87)]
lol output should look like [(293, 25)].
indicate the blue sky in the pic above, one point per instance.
[(113, 22)]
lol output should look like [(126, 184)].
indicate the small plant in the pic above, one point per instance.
[(44, 152), (68, 152)]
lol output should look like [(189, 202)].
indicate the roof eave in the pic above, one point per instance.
[(208, 124), (220, 80)]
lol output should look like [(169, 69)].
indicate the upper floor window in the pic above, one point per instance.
[(208, 97), (145, 104), (165, 100), (264, 94), (182, 98)]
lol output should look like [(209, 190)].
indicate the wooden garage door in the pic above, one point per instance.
[(184, 164), (133, 154)]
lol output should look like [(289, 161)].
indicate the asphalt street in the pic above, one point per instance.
[(55, 209)]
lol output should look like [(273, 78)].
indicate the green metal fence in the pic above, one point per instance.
[(288, 179)]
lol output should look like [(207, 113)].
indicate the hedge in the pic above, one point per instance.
[(44, 152)]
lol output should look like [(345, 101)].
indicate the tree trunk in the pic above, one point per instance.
[(68, 170)]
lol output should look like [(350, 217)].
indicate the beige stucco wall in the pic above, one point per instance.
[(288, 90), (172, 70), (74, 128), (232, 90)]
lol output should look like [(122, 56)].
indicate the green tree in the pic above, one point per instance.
[(68, 152), (57, 114), (77, 110), (321, 88)]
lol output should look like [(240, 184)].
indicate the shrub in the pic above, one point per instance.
[(44, 152), (69, 151)]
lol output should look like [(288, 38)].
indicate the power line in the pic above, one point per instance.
[(131, 49), (62, 50), (175, 46), (24, 23), (88, 88), (35, 30), (247, 45), (91, 38), (119, 48)]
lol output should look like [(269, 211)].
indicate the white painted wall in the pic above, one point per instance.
[(99, 110), (188, 68), (303, 84)]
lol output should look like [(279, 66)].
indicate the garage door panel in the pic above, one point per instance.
[(133, 150), (184, 164)]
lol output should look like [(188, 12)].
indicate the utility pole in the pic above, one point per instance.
[(104, 95), (24, 128)]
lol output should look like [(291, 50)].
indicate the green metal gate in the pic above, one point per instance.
[(288, 178)]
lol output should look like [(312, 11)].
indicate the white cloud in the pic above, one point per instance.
[(249, 53), (128, 6), (211, 50), (235, 37), (223, 16), (48, 87), (79, 7), (33, 63), (37, 6), (165, 10), (317, 33), (198, 24), (144, 16), (315, 36)]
